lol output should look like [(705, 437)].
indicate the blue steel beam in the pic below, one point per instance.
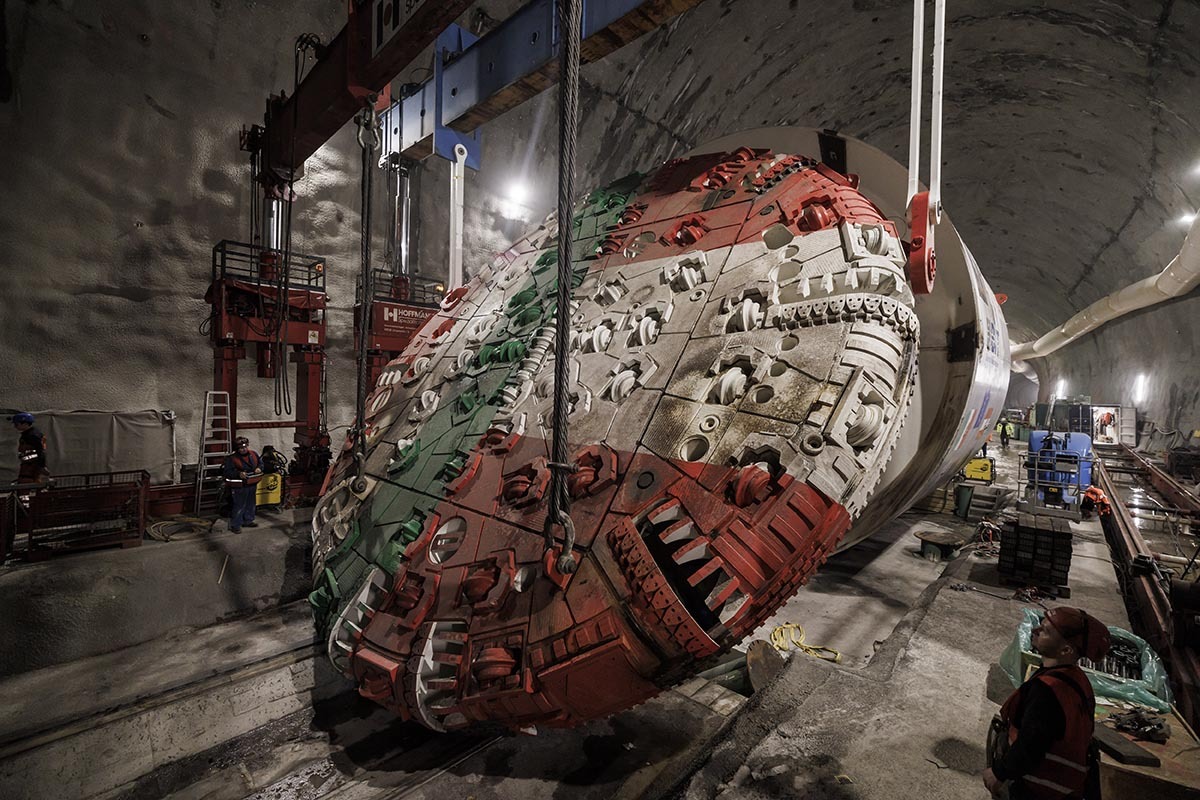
[(513, 63)]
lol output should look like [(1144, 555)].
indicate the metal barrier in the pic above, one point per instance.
[(249, 262), (1052, 481), (414, 290), (79, 512)]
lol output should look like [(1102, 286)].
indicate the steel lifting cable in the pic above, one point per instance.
[(368, 140), (283, 390), (570, 22), (935, 111), (914, 115), (935, 114)]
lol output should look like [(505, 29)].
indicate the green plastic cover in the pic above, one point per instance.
[(1151, 690)]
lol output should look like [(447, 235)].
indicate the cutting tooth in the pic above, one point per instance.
[(680, 530), (732, 606), (721, 593), (694, 550), (706, 569), (667, 512)]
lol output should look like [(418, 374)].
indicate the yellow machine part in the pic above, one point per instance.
[(269, 490), (980, 469)]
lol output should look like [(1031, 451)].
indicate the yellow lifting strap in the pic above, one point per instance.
[(789, 635)]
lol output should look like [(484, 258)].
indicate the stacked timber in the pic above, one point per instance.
[(1036, 551)]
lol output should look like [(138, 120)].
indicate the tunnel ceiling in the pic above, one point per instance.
[(1070, 128), (1071, 145)]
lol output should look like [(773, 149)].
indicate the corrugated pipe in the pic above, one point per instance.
[(1180, 277)]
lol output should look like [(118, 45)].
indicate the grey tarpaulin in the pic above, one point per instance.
[(99, 441)]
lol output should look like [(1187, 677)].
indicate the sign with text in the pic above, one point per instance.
[(393, 324)]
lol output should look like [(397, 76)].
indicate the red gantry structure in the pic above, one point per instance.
[(277, 306)]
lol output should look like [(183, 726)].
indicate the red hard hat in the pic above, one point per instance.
[(1085, 633)]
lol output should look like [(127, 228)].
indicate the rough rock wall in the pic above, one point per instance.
[(1022, 392), (1069, 146), (1159, 344), (122, 173)]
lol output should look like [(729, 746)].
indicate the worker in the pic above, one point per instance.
[(1094, 498), (1004, 434), (985, 443), (242, 470), (31, 450), (1045, 747)]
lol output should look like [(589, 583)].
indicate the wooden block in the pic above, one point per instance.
[(1123, 749)]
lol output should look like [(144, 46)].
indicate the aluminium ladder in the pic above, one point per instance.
[(216, 442)]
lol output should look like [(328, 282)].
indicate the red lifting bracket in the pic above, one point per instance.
[(925, 208), (922, 261)]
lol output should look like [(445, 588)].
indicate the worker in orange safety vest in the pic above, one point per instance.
[(1046, 751), (1095, 498)]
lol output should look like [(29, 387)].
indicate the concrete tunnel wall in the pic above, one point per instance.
[(1070, 143)]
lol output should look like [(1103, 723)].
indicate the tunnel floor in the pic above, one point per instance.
[(250, 709)]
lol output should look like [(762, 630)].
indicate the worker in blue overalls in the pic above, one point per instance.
[(242, 471)]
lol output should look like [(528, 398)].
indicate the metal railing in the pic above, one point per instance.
[(412, 290), (1052, 481), (249, 262), (73, 512)]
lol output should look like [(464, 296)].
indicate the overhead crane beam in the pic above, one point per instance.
[(498, 72), (513, 63), (381, 37)]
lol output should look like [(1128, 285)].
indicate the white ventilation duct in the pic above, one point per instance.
[(1026, 370), (1180, 277)]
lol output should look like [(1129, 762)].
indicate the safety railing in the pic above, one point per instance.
[(82, 511), (1052, 481), (249, 262), (413, 290)]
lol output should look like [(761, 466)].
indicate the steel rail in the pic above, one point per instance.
[(1151, 597)]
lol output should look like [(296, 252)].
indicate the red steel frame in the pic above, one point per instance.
[(380, 38), (352, 68), (245, 294), (63, 516)]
